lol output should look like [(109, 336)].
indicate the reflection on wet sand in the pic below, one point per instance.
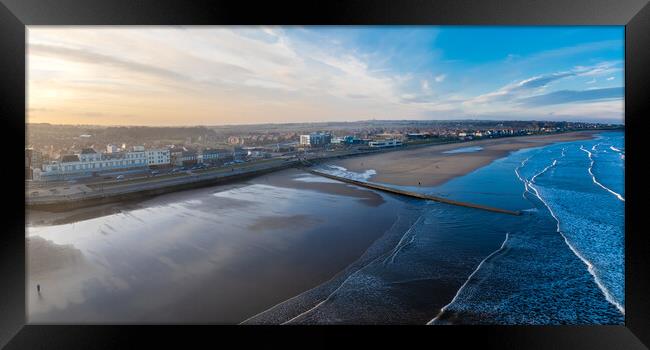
[(216, 255), (290, 222)]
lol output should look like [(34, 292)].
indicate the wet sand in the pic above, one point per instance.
[(370, 198), (36, 217), (212, 255), (430, 166)]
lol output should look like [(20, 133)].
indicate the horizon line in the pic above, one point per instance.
[(332, 122)]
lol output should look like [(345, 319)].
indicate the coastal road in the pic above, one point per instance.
[(110, 188)]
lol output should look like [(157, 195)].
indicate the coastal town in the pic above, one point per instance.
[(80, 166), (308, 175)]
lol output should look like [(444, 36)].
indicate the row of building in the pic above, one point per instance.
[(89, 162), (322, 139)]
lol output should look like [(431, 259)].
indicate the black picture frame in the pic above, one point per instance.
[(16, 14)]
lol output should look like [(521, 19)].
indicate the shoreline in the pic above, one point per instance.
[(94, 194), (303, 244), (284, 310), (294, 310), (430, 166)]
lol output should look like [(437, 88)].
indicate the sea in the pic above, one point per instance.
[(209, 255), (561, 262)]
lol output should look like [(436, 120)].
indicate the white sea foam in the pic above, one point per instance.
[(352, 275), (343, 172), (590, 266), (307, 291), (523, 163), (615, 149), (528, 186), (402, 242), (532, 180), (593, 177), (468, 279)]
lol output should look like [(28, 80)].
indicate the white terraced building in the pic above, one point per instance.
[(385, 143), (158, 157), (89, 161), (315, 139)]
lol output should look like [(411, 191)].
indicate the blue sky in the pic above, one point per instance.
[(232, 75)]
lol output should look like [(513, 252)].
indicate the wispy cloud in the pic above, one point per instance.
[(567, 96), (89, 57), (215, 75), (522, 89)]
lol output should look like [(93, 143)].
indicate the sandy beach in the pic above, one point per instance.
[(218, 254), (431, 166)]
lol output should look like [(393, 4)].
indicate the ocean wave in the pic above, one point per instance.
[(593, 177), (402, 242), (527, 188), (590, 267), (523, 163), (616, 149), (532, 179), (378, 250), (468, 279), (383, 257)]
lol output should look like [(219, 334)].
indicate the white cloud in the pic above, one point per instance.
[(537, 84), (213, 60), (245, 73)]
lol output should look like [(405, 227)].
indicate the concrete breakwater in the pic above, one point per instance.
[(414, 194)]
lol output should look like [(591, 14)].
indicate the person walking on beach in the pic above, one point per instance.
[(38, 288)]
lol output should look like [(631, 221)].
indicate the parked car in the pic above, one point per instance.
[(120, 177)]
